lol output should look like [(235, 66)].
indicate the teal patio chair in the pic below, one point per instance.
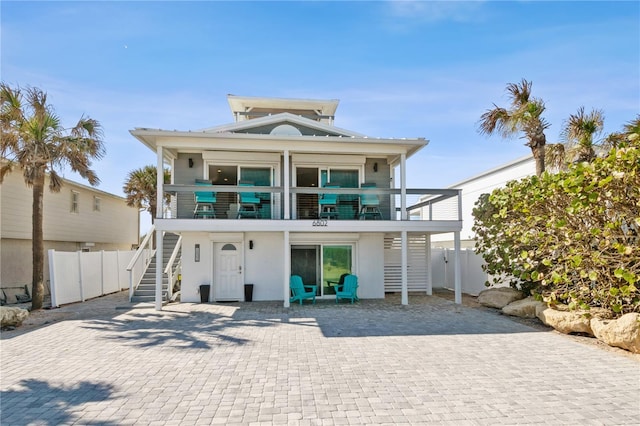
[(369, 204), (249, 202), (349, 289), (329, 204), (299, 291), (205, 201)]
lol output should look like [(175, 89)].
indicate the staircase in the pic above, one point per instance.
[(146, 291)]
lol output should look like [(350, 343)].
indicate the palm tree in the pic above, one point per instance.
[(141, 189), (524, 115), (630, 131), (580, 134), (34, 140)]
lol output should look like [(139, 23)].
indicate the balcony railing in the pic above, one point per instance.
[(267, 203)]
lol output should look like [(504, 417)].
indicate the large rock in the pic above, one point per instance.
[(525, 308), (623, 332), (11, 316), (498, 297), (566, 321)]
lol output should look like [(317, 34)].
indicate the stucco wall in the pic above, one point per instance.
[(263, 265)]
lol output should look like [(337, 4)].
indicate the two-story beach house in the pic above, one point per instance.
[(282, 191)]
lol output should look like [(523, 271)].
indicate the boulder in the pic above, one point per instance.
[(623, 332), (525, 308), (12, 316), (566, 321), (498, 297)]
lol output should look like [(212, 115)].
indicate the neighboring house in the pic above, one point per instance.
[(78, 218), (484, 183), (290, 193)]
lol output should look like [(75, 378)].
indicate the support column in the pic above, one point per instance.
[(287, 268), (159, 183), (404, 266), (286, 186), (403, 186), (159, 236), (159, 270), (429, 266), (457, 274)]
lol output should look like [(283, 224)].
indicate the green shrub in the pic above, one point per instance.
[(571, 237)]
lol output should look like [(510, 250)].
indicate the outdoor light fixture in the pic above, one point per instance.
[(197, 254), (250, 244), (375, 167), (190, 163)]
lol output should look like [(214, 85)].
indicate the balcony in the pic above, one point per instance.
[(308, 203)]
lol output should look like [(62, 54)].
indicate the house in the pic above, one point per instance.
[(283, 191), (473, 187), (78, 218)]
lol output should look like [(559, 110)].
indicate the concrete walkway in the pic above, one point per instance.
[(375, 362)]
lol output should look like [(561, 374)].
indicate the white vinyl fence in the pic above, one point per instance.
[(443, 275), (78, 276)]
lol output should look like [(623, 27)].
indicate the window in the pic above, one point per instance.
[(96, 204), (75, 202)]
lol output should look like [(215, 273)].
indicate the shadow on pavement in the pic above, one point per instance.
[(38, 402), (192, 330)]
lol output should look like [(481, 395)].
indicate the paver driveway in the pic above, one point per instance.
[(375, 362)]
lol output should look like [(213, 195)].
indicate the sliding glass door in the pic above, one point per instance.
[(322, 265)]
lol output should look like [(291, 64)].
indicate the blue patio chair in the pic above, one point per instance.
[(329, 204), (299, 291), (369, 204), (205, 201), (349, 289), (249, 202), (335, 285)]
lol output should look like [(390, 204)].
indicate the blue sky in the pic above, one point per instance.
[(400, 69)]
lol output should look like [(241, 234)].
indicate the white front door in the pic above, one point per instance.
[(227, 271)]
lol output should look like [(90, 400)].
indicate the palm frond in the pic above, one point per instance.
[(496, 120), (520, 93), (55, 181)]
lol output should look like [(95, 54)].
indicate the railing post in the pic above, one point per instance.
[(403, 187)]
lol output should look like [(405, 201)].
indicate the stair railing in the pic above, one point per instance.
[(171, 271), (140, 261)]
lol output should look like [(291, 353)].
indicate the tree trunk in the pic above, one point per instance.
[(37, 292), (537, 143)]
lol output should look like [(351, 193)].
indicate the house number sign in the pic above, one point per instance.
[(320, 222)]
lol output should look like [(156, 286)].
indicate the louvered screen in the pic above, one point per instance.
[(416, 259)]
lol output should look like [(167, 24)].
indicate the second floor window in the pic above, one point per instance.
[(75, 202), (96, 204)]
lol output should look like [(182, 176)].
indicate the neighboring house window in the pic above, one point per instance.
[(75, 202), (96, 204)]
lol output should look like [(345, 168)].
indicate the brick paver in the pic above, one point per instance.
[(375, 362)]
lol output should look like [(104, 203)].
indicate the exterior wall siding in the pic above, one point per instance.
[(113, 227), (483, 184)]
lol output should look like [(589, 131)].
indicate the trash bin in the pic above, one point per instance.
[(248, 292), (204, 293)]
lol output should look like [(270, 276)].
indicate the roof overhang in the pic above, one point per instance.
[(174, 142), (243, 104)]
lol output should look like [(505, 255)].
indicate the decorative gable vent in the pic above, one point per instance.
[(286, 130)]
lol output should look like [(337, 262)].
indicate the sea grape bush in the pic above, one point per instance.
[(571, 237)]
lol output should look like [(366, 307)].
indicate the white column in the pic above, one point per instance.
[(456, 268), (287, 268), (404, 265), (286, 187), (159, 183), (159, 270), (403, 186), (429, 266)]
